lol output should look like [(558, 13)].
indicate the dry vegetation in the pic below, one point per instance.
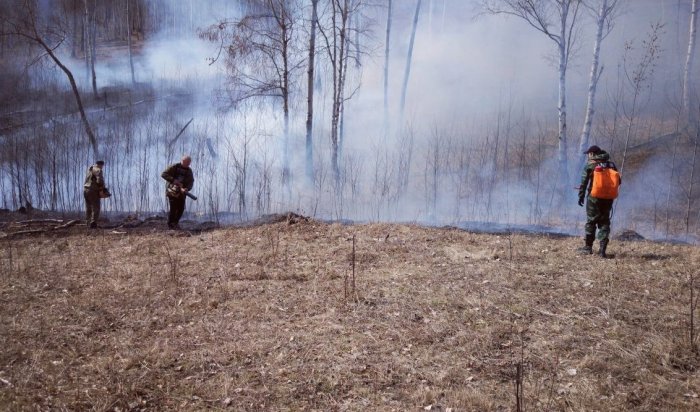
[(257, 318)]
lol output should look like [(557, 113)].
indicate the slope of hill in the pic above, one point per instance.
[(303, 315)]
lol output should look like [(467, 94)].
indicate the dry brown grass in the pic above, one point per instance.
[(256, 319)]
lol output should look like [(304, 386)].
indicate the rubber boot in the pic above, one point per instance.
[(587, 249), (603, 247)]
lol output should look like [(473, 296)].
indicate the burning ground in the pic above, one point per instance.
[(270, 317)]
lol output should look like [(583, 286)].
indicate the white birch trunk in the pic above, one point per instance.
[(341, 109), (386, 70), (687, 110), (562, 154), (593, 83), (407, 71), (90, 32), (338, 57), (310, 92), (285, 97)]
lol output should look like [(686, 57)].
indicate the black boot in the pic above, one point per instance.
[(603, 247), (587, 249)]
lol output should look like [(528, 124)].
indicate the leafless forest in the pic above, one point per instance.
[(439, 111)]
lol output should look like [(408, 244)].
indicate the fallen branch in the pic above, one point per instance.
[(45, 230), (67, 224), (25, 232), (181, 131), (40, 221)]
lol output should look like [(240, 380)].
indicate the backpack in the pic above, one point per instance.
[(606, 181)]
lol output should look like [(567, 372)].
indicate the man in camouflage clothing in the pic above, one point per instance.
[(597, 210), (180, 181), (94, 190)]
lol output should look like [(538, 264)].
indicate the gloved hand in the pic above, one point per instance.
[(580, 201)]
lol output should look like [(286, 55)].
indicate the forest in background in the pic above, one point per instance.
[(438, 111)]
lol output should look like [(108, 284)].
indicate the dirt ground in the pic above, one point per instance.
[(303, 315)]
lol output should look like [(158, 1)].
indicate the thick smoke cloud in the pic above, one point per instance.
[(473, 78)]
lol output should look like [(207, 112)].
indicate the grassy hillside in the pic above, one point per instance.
[(269, 317)]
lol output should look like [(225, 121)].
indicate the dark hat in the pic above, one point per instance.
[(593, 149), (100, 162)]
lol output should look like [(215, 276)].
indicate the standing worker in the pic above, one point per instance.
[(601, 181), (94, 190), (180, 181)]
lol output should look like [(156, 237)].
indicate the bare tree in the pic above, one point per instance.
[(336, 41), (604, 25), (49, 38), (692, 32), (638, 78), (90, 28), (387, 42), (556, 19), (409, 57), (310, 92), (261, 58)]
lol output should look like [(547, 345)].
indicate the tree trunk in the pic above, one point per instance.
[(407, 71), (338, 57), (386, 70), (310, 93), (687, 110), (93, 51), (592, 83), (90, 47), (692, 175), (285, 98), (86, 41), (128, 42), (358, 61), (76, 93), (76, 36), (630, 124), (341, 126), (670, 183), (563, 54)]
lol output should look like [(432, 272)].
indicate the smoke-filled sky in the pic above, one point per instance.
[(465, 65)]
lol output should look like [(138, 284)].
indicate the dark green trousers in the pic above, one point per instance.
[(177, 208), (92, 207), (598, 217)]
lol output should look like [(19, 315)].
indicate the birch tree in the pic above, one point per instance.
[(387, 42), (310, 91), (336, 37), (692, 33), (409, 57), (261, 59), (556, 19), (90, 35), (604, 25)]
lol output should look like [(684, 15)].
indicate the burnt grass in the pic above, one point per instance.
[(270, 317)]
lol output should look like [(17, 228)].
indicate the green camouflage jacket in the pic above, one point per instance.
[(94, 179), (587, 174), (178, 172)]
